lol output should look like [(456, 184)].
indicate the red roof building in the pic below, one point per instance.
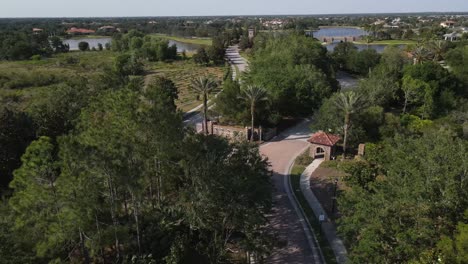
[(325, 139), (75, 30), (323, 145)]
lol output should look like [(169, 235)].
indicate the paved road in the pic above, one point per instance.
[(194, 116), (285, 220), (346, 80)]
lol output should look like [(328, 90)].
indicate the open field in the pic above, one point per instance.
[(28, 80), (198, 41), (181, 73)]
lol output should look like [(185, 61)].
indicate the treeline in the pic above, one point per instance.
[(113, 176), (144, 46)]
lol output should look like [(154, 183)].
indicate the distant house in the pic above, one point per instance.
[(452, 36), (274, 24), (448, 24), (80, 31), (323, 145), (37, 30), (107, 29)]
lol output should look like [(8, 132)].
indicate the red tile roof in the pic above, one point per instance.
[(324, 139), (80, 30)]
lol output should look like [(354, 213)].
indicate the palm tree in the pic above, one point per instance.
[(438, 48), (349, 102), (420, 53), (253, 95), (204, 86)]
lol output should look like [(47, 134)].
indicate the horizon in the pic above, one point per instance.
[(210, 8), (462, 13)]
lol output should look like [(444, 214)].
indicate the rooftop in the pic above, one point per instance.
[(325, 139)]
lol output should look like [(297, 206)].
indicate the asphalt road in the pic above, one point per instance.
[(286, 221)]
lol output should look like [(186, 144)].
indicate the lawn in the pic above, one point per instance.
[(388, 42), (181, 73), (194, 40)]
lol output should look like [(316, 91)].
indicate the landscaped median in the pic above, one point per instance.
[(298, 168)]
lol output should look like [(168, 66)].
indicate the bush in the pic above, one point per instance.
[(83, 46), (36, 57), (304, 159)]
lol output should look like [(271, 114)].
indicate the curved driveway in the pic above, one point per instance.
[(285, 220)]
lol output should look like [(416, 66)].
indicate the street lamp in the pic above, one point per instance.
[(334, 196)]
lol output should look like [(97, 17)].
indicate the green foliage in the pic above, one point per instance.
[(304, 159), (83, 46), (296, 72), (420, 197), (232, 109), (130, 184), (16, 132), (21, 45), (455, 250), (201, 57), (348, 58), (458, 59), (433, 86), (144, 47)]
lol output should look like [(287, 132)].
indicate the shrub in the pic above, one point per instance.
[(36, 57), (304, 159)]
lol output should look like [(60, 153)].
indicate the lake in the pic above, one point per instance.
[(378, 48), (94, 42), (340, 32)]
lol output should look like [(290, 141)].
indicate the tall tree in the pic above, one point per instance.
[(349, 102), (204, 86), (253, 95)]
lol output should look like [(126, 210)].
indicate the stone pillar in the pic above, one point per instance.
[(361, 149)]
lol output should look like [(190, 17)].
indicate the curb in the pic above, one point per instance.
[(306, 226)]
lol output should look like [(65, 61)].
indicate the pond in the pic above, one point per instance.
[(181, 46), (94, 42)]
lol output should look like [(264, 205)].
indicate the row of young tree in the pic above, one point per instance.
[(113, 176)]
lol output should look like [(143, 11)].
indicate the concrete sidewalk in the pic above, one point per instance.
[(328, 228)]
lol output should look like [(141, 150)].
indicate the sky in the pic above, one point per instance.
[(106, 8)]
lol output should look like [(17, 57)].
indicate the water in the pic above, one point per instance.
[(93, 42), (340, 32), (181, 46), (379, 48)]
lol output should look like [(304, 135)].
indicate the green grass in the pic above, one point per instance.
[(181, 73), (327, 251), (388, 42), (198, 41)]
